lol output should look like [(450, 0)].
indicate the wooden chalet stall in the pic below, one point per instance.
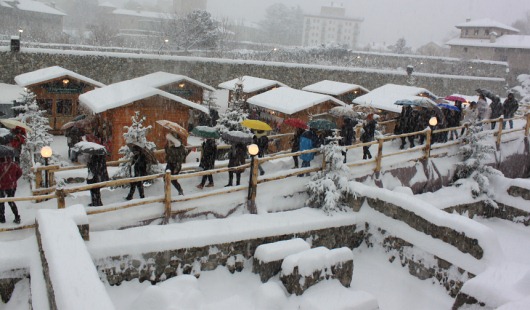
[(251, 86), (345, 92), (276, 105), (116, 104), (381, 101), (57, 91)]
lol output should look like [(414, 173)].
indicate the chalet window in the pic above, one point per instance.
[(476, 32), (45, 105), (465, 49), (64, 106), (487, 31), (466, 32)]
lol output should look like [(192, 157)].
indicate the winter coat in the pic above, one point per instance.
[(263, 144), (348, 131), (209, 154), (73, 135), (175, 156), (97, 169), (496, 108), (308, 140), (10, 172), (406, 123), (510, 106), (483, 110), (470, 115), (295, 141), (369, 131), (236, 156)]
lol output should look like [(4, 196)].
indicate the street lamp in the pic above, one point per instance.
[(253, 150), (20, 30), (166, 41), (433, 121), (46, 152)]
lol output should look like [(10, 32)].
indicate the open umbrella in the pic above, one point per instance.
[(455, 98), (486, 92), (255, 124), (344, 111), (80, 121), (322, 124), (179, 130), (6, 151), (12, 123), (90, 148), (296, 123), (149, 155), (236, 136), (448, 106), (206, 132), (419, 102)]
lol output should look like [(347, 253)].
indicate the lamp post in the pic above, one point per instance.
[(46, 152), (166, 41), (20, 31), (253, 150)]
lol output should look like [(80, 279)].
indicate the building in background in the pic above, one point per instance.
[(487, 39), (332, 26), (183, 7)]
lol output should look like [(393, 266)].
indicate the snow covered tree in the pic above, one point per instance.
[(195, 30), (30, 114), (283, 24), (328, 187), (234, 114), (523, 90), (400, 47), (473, 172), (136, 134)]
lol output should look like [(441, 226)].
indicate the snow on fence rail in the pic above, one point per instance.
[(61, 193)]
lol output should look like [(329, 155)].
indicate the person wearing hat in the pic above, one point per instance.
[(10, 172), (138, 169), (175, 155), (509, 106), (368, 134), (97, 172)]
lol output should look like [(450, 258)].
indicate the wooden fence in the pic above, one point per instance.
[(60, 194)]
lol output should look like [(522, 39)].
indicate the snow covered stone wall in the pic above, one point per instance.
[(114, 67)]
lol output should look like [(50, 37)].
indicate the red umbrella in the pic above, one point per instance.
[(455, 98), (296, 122)]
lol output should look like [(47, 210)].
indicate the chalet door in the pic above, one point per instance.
[(64, 112)]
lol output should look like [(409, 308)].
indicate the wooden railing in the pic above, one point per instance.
[(61, 194)]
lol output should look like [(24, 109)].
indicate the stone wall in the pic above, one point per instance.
[(114, 67)]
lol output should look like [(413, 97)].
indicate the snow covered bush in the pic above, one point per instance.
[(136, 133), (523, 90), (473, 172), (328, 188), (30, 114)]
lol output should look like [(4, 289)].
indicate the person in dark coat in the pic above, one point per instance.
[(262, 141), (295, 144), (10, 172), (18, 138), (309, 140), (509, 108), (368, 134), (208, 156), (175, 155), (138, 169), (455, 116), (347, 132), (97, 172), (406, 125), (496, 110), (236, 157), (73, 135)]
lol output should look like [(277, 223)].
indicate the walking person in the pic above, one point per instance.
[(482, 108), (236, 157), (262, 141), (295, 144), (73, 135), (10, 172), (97, 172), (309, 140), (348, 134), (208, 156), (138, 169), (470, 115), (18, 138), (496, 110), (368, 134), (175, 155), (509, 107)]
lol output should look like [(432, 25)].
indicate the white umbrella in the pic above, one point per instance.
[(12, 123)]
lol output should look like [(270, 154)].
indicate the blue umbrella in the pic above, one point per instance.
[(447, 106)]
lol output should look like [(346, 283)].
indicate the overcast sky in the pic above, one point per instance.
[(418, 21)]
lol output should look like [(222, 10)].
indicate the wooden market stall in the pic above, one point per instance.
[(57, 92), (345, 92), (251, 86)]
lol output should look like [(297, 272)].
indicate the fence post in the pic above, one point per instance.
[(38, 178), (61, 204), (324, 161), (167, 196), (499, 133), (252, 185), (379, 155), (428, 136), (527, 127)]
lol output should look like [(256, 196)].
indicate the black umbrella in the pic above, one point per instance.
[(236, 136), (149, 155), (6, 151)]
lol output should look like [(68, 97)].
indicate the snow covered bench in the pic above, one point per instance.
[(268, 257), (305, 269), (71, 277)]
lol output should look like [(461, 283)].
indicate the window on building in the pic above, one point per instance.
[(64, 107), (465, 49), (476, 32), (45, 105), (466, 32), (487, 32)]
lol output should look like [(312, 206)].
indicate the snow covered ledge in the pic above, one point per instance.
[(71, 278)]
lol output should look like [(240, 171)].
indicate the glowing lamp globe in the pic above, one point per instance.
[(253, 149), (433, 121), (46, 152)]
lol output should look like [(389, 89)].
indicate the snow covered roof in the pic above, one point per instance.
[(159, 79), (289, 100), (147, 14), (484, 23), (33, 6), (250, 84), (50, 73), (10, 93), (107, 5), (505, 41), (126, 92), (333, 88), (384, 97)]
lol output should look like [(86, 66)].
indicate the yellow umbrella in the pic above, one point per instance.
[(255, 124)]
